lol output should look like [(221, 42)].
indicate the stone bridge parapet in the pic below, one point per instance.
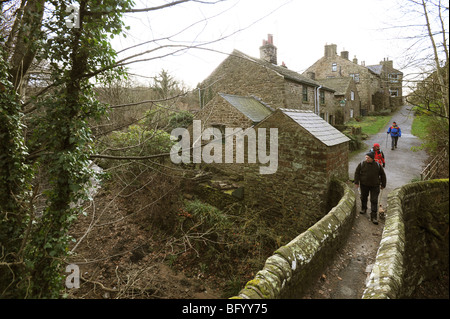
[(292, 268), (415, 244)]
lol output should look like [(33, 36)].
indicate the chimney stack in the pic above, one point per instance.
[(330, 50), (387, 62), (344, 55), (355, 60), (268, 52)]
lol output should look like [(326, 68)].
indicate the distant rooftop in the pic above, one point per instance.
[(283, 71), (375, 68), (340, 85)]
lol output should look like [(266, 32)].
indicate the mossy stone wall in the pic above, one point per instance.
[(415, 243), (292, 268)]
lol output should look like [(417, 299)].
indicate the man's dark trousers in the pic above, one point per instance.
[(374, 191), (394, 142)]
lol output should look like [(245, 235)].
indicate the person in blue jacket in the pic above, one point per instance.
[(395, 132)]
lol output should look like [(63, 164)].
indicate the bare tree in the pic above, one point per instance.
[(424, 25)]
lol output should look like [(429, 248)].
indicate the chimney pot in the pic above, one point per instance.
[(268, 52)]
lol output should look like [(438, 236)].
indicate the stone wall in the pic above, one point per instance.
[(239, 76), (414, 245), (300, 185), (293, 267)]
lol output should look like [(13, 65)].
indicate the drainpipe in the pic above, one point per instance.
[(317, 104)]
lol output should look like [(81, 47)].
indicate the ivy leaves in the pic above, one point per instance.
[(60, 133)]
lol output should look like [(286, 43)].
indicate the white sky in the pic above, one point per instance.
[(300, 28)]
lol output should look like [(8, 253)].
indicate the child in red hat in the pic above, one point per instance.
[(379, 155)]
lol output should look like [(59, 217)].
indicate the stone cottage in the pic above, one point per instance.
[(347, 96), (276, 85), (371, 82), (391, 82), (311, 153)]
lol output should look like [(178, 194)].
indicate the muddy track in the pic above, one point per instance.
[(345, 278)]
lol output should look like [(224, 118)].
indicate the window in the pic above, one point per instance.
[(393, 77), (394, 92), (322, 97), (351, 113), (355, 77), (334, 67), (352, 95), (305, 94)]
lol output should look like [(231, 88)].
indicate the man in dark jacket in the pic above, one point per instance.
[(370, 176)]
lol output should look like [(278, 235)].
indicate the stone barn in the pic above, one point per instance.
[(311, 153)]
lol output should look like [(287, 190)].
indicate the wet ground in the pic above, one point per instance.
[(345, 278)]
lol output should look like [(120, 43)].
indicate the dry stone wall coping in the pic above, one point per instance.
[(389, 278), (292, 267)]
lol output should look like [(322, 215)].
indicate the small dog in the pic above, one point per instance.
[(381, 212)]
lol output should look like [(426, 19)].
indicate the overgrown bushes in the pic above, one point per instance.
[(230, 244)]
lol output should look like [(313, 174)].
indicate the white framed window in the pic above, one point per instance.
[(352, 95), (334, 67), (355, 77), (393, 92), (393, 77)]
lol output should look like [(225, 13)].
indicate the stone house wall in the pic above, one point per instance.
[(220, 112), (242, 75), (239, 76), (369, 83), (392, 80), (351, 107), (350, 104)]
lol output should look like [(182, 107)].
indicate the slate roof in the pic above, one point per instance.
[(318, 127), (340, 85), (376, 68), (250, 106)]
